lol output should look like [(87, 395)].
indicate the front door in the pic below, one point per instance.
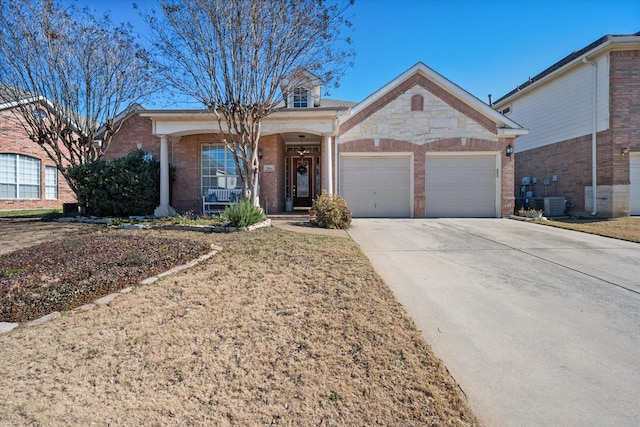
[(302, 179)]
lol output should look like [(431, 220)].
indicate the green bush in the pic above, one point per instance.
[(243, 214), (120, 187), (332, 211)]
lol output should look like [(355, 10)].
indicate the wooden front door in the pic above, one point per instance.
[(302, 179)]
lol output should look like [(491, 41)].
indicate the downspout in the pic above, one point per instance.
[(594, 147)]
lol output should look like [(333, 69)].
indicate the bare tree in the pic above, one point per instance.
[(69, 74), (232, 56)]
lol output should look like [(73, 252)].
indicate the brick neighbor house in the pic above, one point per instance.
[(583, 114), (29, 179), (420, 146)]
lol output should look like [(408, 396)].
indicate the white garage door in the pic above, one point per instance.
[(461, 186), (634, 187), (376, 187)]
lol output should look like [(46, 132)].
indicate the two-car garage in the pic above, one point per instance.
[(456, 184)]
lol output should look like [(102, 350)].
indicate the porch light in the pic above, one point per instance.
[(624, 152), (302, 151), (509, 150), (259, 154)]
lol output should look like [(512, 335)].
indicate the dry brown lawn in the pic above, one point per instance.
[(625, 228), (278, 328)]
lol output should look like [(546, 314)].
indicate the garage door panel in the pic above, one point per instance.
[(459, 186), (376, 186)]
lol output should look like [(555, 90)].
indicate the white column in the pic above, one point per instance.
[(164, 209), (329, 163)]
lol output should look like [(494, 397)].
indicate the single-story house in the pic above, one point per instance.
[(583, 113), (420, 146), (29, 179)]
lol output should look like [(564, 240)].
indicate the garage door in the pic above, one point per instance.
[(376, 187), (634, 187), (461, 186)]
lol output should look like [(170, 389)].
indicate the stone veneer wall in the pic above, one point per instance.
[(395, 119), (392, 124)]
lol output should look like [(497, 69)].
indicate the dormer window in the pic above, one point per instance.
[(300, 98)]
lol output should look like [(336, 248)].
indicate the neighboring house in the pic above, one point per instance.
[(583, 114), (418, 147), (28, 178)]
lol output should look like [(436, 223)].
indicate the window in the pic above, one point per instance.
[(19, 177), (300, 97), (50, 182), (218, 169)]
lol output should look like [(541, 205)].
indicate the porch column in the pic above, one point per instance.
[(329, 163), (164, 209)]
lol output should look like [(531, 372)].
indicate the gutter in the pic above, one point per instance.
[(594, 147)]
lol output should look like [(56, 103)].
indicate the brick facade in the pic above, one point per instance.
[(415, 115), (185, 155), (133, 131), (14, 140), (444, 124), (571, 160)]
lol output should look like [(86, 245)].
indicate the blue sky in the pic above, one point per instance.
[(484, 46)]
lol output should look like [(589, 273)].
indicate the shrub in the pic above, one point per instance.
[(332, 211), (243, 214), (120, 187)]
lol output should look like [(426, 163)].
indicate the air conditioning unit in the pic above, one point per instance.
[(552, 206)]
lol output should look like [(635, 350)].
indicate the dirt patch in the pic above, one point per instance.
[(279, 328)]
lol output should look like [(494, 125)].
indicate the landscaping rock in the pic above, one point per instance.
[(6, 327), (136, 226), (43, 319), (83, 308), (107, 299)]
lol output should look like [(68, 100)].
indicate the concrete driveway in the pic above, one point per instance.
[(539, 326)]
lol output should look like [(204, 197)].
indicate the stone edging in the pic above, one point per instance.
[(523, 218), (6, 327)]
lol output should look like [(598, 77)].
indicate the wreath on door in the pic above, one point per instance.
[(302, 169)]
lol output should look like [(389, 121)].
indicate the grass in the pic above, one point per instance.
[(29, 213), (279, 328), (624, 228)]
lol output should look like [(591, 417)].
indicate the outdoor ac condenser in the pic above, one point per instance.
[(552, 206)]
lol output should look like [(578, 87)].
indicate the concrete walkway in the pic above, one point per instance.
[(301, 224), (540, 326)]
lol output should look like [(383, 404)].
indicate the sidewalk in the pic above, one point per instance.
[(300, 223)]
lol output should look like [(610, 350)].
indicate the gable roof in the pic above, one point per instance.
[(576, 56), (11, 96), (420, 73)]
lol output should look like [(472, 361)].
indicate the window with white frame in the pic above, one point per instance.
[(51, 182), (300, 98), (19, 177), (218, 169)]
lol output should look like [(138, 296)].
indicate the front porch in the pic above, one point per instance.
[(296, 155)]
